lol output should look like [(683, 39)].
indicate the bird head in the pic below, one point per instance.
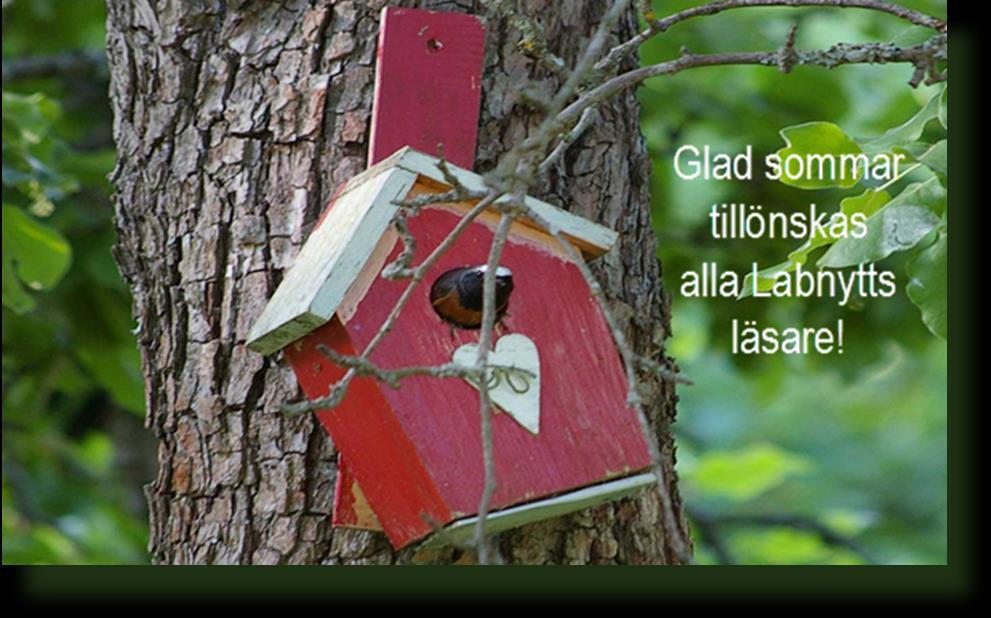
[(504, 276)]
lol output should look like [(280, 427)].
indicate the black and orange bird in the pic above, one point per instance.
[(457, 295)]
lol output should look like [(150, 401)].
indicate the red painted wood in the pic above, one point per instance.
[(428, 84), (427, 92), (381, 455), (587, 434), (348, 512), (416, 451), (344, 513)]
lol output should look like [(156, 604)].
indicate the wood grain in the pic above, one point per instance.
[(330, 261), (428, 84)]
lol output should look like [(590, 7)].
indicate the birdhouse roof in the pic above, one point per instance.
[(337, 251)]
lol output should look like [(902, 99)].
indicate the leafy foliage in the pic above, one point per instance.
[(853, 443), (819, 138), (896, 224), (34, 255), (745, 473), (927, 287), (74, 452)]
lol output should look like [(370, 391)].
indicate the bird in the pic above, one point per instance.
[(457, 295)]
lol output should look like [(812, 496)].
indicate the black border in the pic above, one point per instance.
[(957, 581)]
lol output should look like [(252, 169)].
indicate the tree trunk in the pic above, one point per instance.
[(234, 123)]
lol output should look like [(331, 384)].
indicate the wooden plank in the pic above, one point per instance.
[(351, 508), (381, 457), (428, 83), (462, 530), (591, 238), (330, 261), (448, 113)]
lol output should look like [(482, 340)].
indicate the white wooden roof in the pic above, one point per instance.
[(334, 255)]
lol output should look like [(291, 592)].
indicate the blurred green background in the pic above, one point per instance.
[(795, 459), (816, 459)]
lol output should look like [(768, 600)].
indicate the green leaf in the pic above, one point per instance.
[(943, 115), (38, 254), (819, 138), (907, 132), (745, 473), (30, 116), (15, 297), (935, 158), (927, 284), (118, 370), (868, 203), (848, 522), (784, 545), (765, 278), (913, 35), (898, 226)]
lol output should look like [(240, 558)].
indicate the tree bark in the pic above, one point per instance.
[(234, 122)]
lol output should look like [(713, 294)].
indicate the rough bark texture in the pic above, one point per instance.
[(234, 123)]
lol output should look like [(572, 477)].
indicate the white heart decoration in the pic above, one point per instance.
[(517, 393)]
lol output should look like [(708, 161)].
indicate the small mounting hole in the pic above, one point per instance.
[(434, 46)]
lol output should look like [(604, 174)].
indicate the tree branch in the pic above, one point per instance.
[(927, 53), (657, 26), (485, 403), (70, 64)]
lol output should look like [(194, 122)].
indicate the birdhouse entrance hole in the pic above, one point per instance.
[(457, 295)]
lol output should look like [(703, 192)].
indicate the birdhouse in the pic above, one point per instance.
[(563, 436)]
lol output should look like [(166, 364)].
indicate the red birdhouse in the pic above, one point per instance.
[(563, 435)]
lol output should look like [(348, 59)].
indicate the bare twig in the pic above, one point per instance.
[(452, 179), (485, 403), (786, 55), (633, 397), (517, 162), (414, 205), (399, 267), (589, 116), (837, 55), (587, 61), (657, 26), (393, 377)]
